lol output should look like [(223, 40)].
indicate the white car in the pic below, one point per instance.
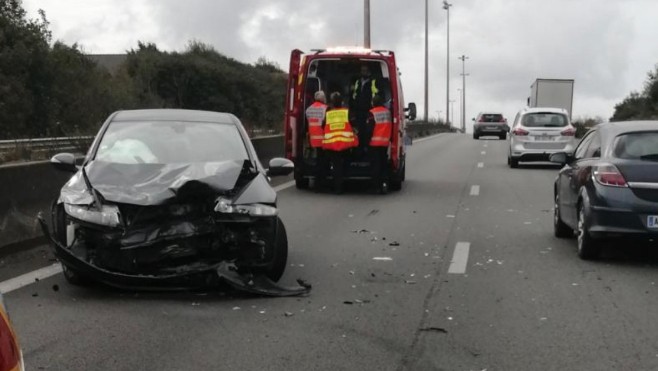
[(539, 132)]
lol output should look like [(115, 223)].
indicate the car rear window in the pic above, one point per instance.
[(637, 146), (491, 117), (544, 119)]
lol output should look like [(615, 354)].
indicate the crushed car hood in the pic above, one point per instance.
[(156, 184)]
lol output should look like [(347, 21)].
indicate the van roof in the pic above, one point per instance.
[(352, 50)]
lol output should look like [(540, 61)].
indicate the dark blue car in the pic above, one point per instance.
[(609, 186)]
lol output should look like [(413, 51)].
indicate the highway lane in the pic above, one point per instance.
[(383, 297)]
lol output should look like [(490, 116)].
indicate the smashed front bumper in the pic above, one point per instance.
[(190, 276)]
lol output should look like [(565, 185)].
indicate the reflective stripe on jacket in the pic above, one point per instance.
[(357, 87), (338, 133), (315, 115), (381, 135)]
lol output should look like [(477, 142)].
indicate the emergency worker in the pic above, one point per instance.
[(380, 127), (339, 138), (315, 116), (363, 90)]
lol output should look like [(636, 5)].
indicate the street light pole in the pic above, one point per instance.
[(366, 24), (459, 92), (426, 110), (447, 6), (464, 74)]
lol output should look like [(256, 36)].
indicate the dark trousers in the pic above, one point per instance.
[(337, 159), (379, 165), (321, 166)]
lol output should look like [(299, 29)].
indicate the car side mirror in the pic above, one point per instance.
[(561, 158), (64, 162), (411, 111), (280, 167)]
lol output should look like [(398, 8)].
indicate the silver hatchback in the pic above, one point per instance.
[(539, 132)]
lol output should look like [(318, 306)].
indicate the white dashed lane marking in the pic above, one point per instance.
[(459, 258), (475, 190)]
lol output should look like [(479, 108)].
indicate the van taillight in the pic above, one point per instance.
[(608, 175), (568, 132), (520, 132)]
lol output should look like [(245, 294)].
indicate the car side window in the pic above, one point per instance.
[(594, 147), (581, 150)]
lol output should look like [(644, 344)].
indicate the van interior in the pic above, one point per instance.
[(338, 75)]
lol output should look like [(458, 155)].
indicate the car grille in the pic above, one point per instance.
[(547, 146)]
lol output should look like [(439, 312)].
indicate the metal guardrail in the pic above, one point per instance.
[(41, 148)]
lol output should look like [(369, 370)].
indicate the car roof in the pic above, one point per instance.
[(167, 114), (622, 127), (490, 113)]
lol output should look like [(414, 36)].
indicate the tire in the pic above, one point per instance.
[(560, 230), (476, 137), (502, 136), (301, 182), (513, 162), (280, 259), (72, 276), (395, 185), (588, 247)]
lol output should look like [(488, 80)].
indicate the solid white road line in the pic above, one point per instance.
[(459, 258), (480, 165), (283, 186), (430, 137), (475, 190), (30, 278)]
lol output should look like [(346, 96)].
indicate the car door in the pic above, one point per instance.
[(581, 171), (567, 198)]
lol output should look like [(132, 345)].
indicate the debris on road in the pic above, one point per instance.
[(434, 329), (195, 304), (410, 282), (359, 231), (55, 287), (288, 314), (236, 308), (394, 243), (382, 258), (450, 216)]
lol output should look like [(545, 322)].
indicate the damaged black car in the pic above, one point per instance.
[(171, 199)]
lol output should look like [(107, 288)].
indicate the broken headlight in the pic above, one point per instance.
[(108, 215), (225, 206)]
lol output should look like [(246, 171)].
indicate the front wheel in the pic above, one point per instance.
[(513, 162), (502, 136), (280, 259), (588, 248), (475, 136)]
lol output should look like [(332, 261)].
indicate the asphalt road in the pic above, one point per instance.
[(458, 271)]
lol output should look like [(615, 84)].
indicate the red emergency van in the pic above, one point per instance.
[(336, 70)]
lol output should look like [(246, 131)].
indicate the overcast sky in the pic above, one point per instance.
[(607, 46)]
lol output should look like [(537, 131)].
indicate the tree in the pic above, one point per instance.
[(638, 106)]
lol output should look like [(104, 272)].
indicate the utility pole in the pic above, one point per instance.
[(366, 24), (464, 74), (447, 6), (426, 110)]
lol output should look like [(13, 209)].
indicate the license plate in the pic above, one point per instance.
[(492, 128), (652, 221), (544, 138)]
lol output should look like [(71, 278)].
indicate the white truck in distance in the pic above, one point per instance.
[(554, 93)]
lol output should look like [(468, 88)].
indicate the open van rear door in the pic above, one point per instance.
[(292, 111)]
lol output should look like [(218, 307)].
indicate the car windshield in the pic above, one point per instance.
[(637, 146), (491, 117), (544, 119), (170, 142)]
